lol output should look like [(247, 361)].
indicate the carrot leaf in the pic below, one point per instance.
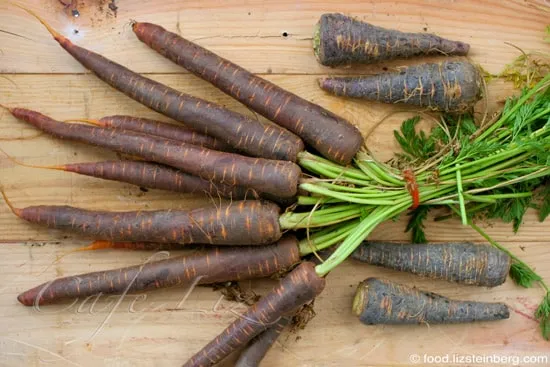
[(543, 315), (415, 224)]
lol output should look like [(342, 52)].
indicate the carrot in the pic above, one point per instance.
[(278, 178), (149, 175), (380, 301), (158, 128), (240, 132), (297, 288), (250, 222), (341, 40), (450, 86), (211, 266), (256, 350), (481, 265), (331, 135)]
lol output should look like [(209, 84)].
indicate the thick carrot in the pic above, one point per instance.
[(258, 347), (250, 222), (467, 263), (331, 135), (159, 128), (450, 86), (211, 266), (240, 132), (278, 178), (380, 301), (342, 40), (297, 288)]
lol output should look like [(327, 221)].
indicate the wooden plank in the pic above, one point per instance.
[(152, 330), (251, 33)]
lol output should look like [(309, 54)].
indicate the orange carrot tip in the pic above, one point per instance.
[(89, 121), (56, 35), (19, 163), (5, 107), (96, 245), (14, 210)]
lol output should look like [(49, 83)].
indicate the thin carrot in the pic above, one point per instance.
[(380, 301), (211, 266), (149, 175), (258, 347), (158, 128), (450, 86), (342, 40), (241, 132), (331, 135), (278, 178), (467, 263), (250, 222), (297, 288)]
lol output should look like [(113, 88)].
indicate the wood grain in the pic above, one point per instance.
[(156, 328), (151, 330), (251, 33)]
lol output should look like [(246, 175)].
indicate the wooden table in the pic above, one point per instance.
[(163, 328)]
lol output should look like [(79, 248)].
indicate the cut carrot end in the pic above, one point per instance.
[(360, 299), (14, 210), (56, 35)]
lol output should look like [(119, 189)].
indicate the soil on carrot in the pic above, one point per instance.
[(302, 317), (233, 292)]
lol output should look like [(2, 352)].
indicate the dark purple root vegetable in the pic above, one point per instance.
[(332, 136), (450, 86), (163, 129), (341, 40), (250, 222), (245, 134), (468, 263), (258, 347), (205, 267), (299, 287), (380, 301), (278, 178)]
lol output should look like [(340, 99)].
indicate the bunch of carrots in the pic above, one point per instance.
[(336, 192)]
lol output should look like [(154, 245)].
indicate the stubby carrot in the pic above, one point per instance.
[(342, 40), (332, 136), (240, 132), (258, 347), (211, 266), (279, 178), (379, 301), (298, 287), (159, 128), (467, 263), (250, 222), (450, 86)]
